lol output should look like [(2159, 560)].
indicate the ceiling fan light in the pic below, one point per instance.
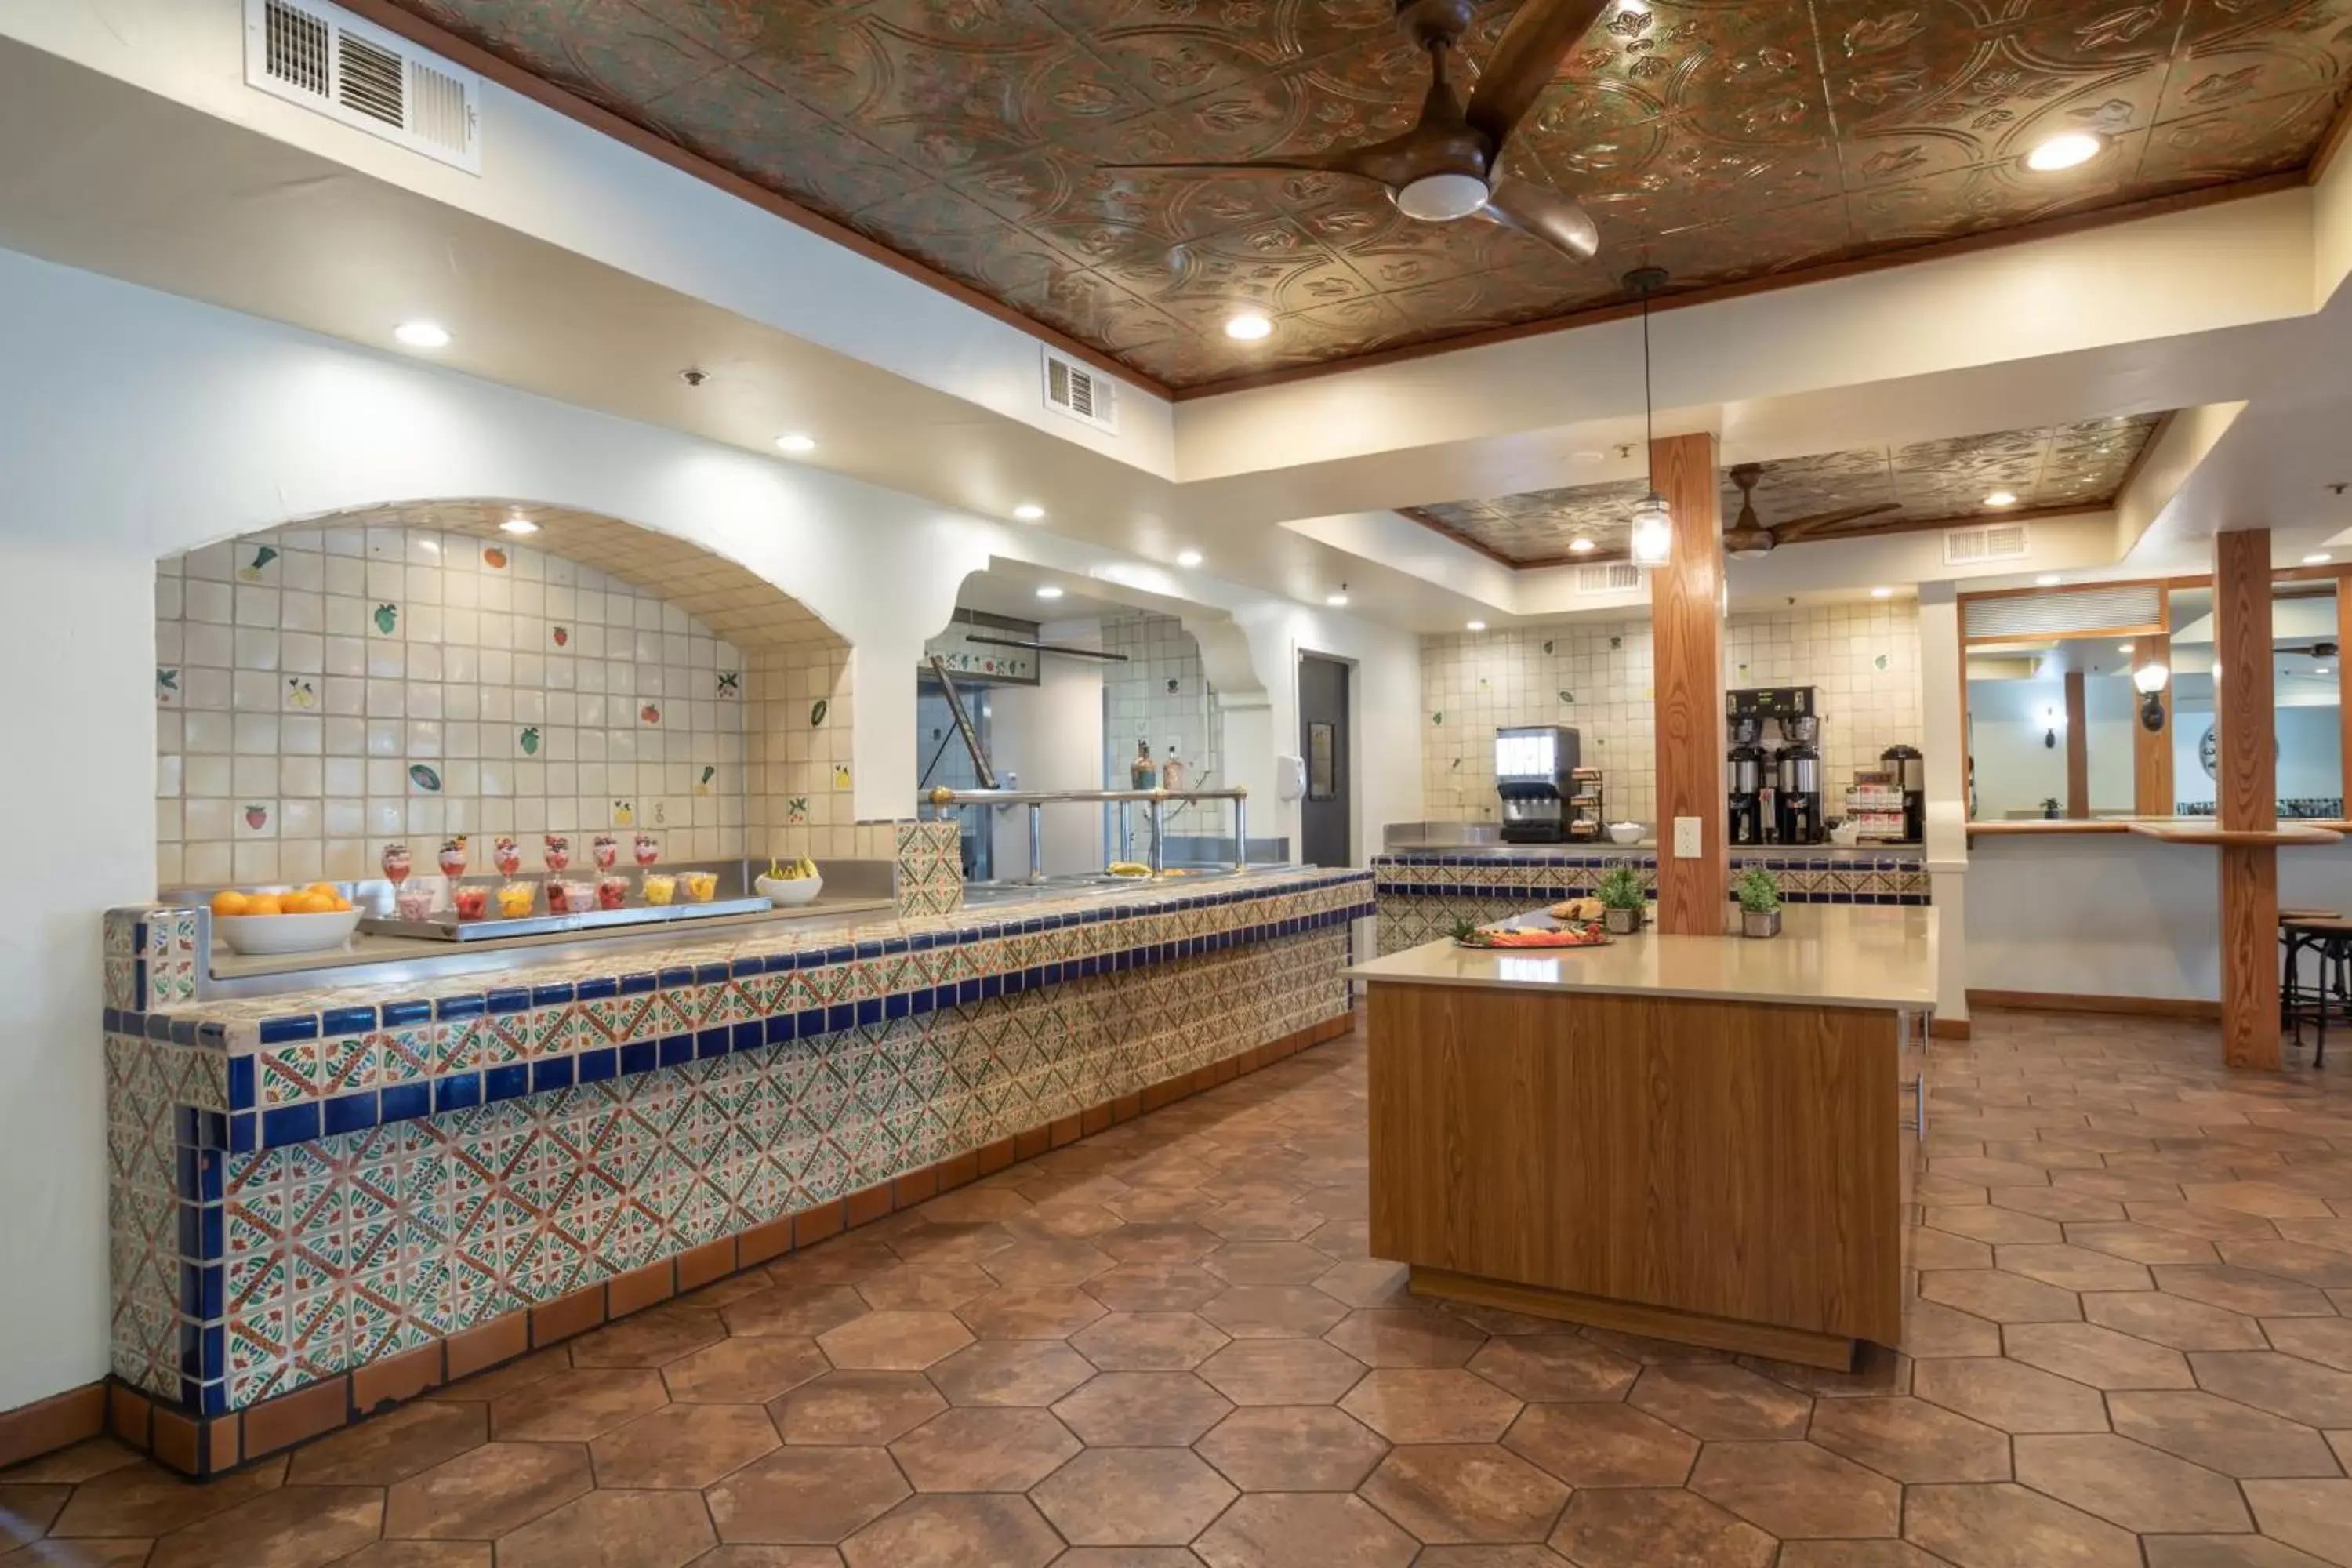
[(1652, 541), (2064, 151), (1579, 545), (1441, 198)]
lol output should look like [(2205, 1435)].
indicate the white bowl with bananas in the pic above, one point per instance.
[(787, 884)]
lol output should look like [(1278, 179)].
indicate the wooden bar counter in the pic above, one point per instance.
[(1699, 1139)]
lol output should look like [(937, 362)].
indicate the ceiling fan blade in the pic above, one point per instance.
[(1820, 522), (1339, 160), (1540, 35), (1545, 214), (1744, 538)]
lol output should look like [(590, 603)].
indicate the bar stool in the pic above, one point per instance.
[(2328, 936)]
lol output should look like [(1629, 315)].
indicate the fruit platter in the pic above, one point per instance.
[(1526, 938), (789, 886), (284, 919)]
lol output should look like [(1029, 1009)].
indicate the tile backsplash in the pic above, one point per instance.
[(324, 692), (1161, 694), (1597, 676)]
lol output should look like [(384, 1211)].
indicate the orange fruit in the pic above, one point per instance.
[(323, 890), (304, 904), (230, 901), (264, 904)]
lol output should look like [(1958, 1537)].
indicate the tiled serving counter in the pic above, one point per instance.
[(1423, 892), (326, 1199)]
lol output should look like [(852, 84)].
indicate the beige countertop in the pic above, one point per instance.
[(1826, 955)]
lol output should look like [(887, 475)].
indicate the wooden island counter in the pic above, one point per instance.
[(1700, 1139)]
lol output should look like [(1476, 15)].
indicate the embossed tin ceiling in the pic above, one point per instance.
[(1728, 140), (2066, 466)]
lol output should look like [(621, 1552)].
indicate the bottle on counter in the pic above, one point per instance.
[(1141, 773), (1171, 772)]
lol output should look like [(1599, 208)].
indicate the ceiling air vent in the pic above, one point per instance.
[(1609, 577), (1992, 542), (313, 54), (1084, 394)]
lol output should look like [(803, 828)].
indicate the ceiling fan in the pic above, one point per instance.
[(1749, 537), (1444, 168)]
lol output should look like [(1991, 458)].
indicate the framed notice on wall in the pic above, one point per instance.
[(974, 647), (1321, 774)]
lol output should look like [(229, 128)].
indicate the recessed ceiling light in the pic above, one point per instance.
[(2064, 151), (1188, 558), (2123, 648), (422, 334), (796, 442), (2048, 580), (1882, 593), (2320, 669), (1587, 455), (1478, 625), (1249, 327), (1028, 511), (2318, 558), (1049, 592), (1336, 600), (1579, 546), (2001, 498), (518, 523)]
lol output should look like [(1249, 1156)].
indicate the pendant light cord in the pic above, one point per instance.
[(1649, 415)]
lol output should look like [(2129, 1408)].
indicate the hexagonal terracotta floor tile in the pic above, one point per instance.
[(937, 1532), (1718, 1403), (1551, 1366), (2307, 1515), (1993, 1224), (976, 1448), (806, 1311), (1603, 1445), (573, 1407), (1283, 1529), (855, 1408), (2141, 1243), (1292, 1449), (1797, 1489), (486, 1491), (1272, 1311), (935, 1246), (894, 1341), (2007, 1526), (288, 1525), (2000, 1297), (2071, 1267), (1911, 1439), (682, 1445), (2222, 1433), (1133, 1497), (654, 1528), (1266, 1263), (2324, 1266), (1431, 1404), (1466, 1492), (2173, 1320), (2328, 1340), (2243, 1291), (2285, 1386), (1143, 1409), (1011, 1372), (1282, 1372), (1159, 1243), (1061, 1261), (811, 1495), (734, 1371), (912, 1288), (392, 1446), (2125, 1483), (2009, 1394), (1149, 1341), (648, 1339), (1030, 1312), (1406, 1336), (1639, 1528), (2100, 1356), (1365, 1282), (1160, 1285)]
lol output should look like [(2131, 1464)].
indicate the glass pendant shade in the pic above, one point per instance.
[(1653, 540)]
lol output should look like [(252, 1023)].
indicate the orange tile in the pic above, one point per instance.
[(698, 1266), (178, 1442), (639, 1289), (1030, 1145), (762, 1242), (223, 1448), (813, 1225), (957, 1171), (47, 1425), (127, 1412), (396, 1377), (916, 1185), (996, 1156), (289, 1418), (501, 1339), (1095, 1119), (866, 1205), (1127, 1108), (1062, 1130), (567, 1315)]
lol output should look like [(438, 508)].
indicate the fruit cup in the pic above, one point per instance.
[(701, 887), (607, 850), (648, 849), (516, 900), (453, 859), (570, 898), (473, 903), (395, 864), (557, 852), (612, 893), (505, 856), (659, 888), (415, 904)]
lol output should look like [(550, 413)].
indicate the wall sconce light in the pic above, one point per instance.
[(2149, 681), (2052, 721)]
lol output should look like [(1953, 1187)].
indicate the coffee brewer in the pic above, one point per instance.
[(1906, 770), (1535, 767), (1775, 792)]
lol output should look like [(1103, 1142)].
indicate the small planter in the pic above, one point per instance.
[(1620, 922), (1760, 922)]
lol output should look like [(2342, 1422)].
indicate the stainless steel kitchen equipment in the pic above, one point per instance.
[(1907, 769), (1535, 774), (1781, 726)]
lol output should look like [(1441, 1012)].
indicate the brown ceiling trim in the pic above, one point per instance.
[(2330, 144), (2146, 449), (385, 15), (1415, 514), (2052, 228)]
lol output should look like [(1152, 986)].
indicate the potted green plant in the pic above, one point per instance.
[(2050, 808), (1621, 900), (1760, 902)]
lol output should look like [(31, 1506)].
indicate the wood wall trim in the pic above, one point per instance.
[(47, 1425), (1834, 1353), (2343, 689), (1686, 639), (2246, 782), (2152, 789), (2078, 748), (2195, 1008)]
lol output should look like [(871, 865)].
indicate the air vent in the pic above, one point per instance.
[(2129, 608), (313, 54), (1609, 577), (1086, 395), (1993, 542)]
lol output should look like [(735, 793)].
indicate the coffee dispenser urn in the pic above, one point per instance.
[(1800, 794), (1746, 794), (1907, 769)]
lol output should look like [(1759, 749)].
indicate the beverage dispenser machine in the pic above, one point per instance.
[(1535, 767)]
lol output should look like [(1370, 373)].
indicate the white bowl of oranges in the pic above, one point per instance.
[(284, 919)]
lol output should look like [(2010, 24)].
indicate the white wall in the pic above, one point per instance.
[(2310, 760), (135, 426), (1051, 734), (2015, 770)]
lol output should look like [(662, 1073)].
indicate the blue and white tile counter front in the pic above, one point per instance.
[(309, 1183), (1423, 892)]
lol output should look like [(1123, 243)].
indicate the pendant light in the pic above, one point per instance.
[(1653, 540)]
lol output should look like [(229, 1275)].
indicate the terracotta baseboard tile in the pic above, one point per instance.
[(1062, 1130), (867, 1205), (958, 1171), (994, 1157), (396, 1377), (1950, 1029), (500, 1340), (47, 1425), (639, 1289), (811, 1225), (560, 1319), (127, 1412), (916, 1185), (291, 1418), (771, 1239), (698, 1266), (1030, 1145), (178, 1443), (223, 1450), (1127, 1108), (1095, 1119)]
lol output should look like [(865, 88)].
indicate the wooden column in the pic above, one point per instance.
[(2247, 799), (1686, 627), (2078, 749), (2152, 749)]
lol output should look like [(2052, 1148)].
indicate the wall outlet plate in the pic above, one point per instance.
[(1688, 845)]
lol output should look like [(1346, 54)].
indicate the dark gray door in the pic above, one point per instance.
[(1326, 814)]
